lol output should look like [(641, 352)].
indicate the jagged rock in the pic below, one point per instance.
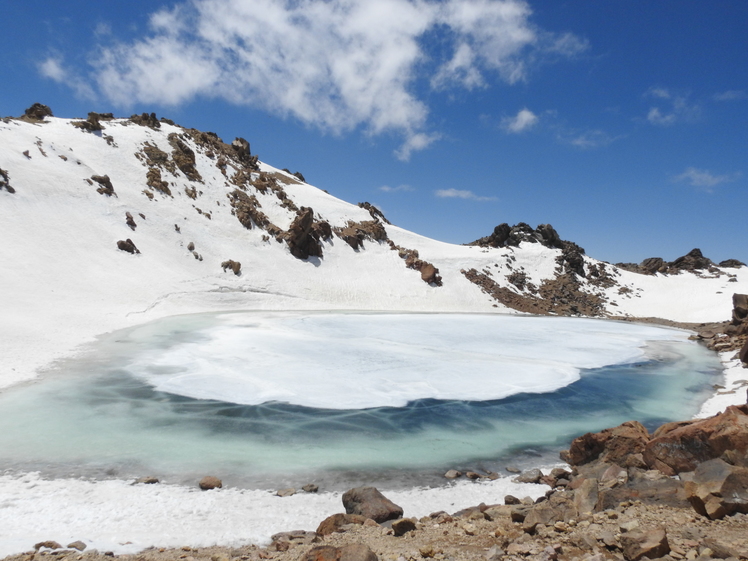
[(718, 489), (611, 445), (128, 246), (146, 120), (369, 502), (235, 266), (558, 508), (336, 522), (651, 543), (301, 238), (653, 265), (351, 552), (403, 526), (247, 210), (691, 261), (93, 122), (5, 181), (37, 112), (678, 447), (79, 545), (184, 157), (210, 482), (298, 175), (743, 353), (105, 183), (376, 214), (731, 264)]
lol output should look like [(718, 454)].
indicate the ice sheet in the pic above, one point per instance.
[(357, 361)]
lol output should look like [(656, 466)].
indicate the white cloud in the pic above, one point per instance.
[(678, 108), (704, 179), (591, 139), (337, 65), (403, 187), (53, 67), (731, 95), (461, 194), (522, 121)]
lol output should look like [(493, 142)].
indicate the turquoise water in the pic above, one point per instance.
[(103, 415)]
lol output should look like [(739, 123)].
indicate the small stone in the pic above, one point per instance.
[(511, 500), (310, 488), (427, 551), (49, 544), (403, 525), (210, 482), (529, 476), (286, 492), (494, 554), (472, 475), (79, 545), (453, 474), (469, 529), (513, 469), (147, 480)]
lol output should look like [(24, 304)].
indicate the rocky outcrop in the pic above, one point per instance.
[(105, 185), (612, 445), (36, 113), (146, 120), (370, 503), (301, 237), (184, 158), (694, 261), (5, 181), (376, 214), (429, 273), (355, 233), (247, 211), (680, 447), (93, 122)]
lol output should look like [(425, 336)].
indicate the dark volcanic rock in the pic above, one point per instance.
[(146, 120), (301, 238), (731, 264), (369, 502), (37, 112), (127, 245), (376, 214), (5, 181)]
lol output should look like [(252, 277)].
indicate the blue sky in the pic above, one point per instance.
[(624, 124)]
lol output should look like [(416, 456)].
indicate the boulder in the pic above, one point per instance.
[(693, 260), (651, 543), (79, 545), (300, 237), (105, 185), (147, 480), (453, 474), (652, 265), (235, 266), (369, 502), (586, 496), (127, 245), (679, 447), (731, 264), (718, 489), (210, 482), (612, 445), (743, 353), (5, 181), (49, 544), (336, 522), (37, 112), (284, 540), (529, 476)]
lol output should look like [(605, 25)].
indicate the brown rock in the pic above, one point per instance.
[(529, 476), (679, 447), (147, 480), (586, 496), (79, 545), (37, 112), (612, 445), (335, 523), (105, 185), (638, 544), (128, 246), (403, 526), (235, 266), (453, 474), (209, 482), (369, 502), (49, 544), (300, 236)]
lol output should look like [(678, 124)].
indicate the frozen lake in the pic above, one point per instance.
[(272, 399)]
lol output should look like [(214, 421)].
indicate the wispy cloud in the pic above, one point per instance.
[(731, 95), (403, 187), (704, 179), (54, 68), (589, 139), (523, 121), (673, 108), (461, 194), (337, 65)]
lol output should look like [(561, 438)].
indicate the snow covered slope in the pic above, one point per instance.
[(190, 203)]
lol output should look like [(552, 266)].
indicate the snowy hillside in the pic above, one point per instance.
[(108, 223)]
